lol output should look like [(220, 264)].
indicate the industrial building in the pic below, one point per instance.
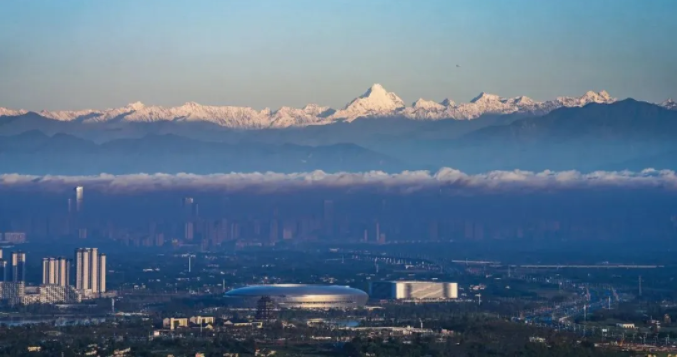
[(413, 290), (299, 296)]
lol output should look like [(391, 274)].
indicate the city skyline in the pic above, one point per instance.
[(78, 55)]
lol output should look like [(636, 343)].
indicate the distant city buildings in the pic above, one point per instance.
[(242, 224), (13, 238), (55, 287)]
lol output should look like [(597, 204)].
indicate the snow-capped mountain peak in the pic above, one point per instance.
[(597, 97), (669, 104), (448, 102), (12, 112), (486, 97), (521, 101), (376, 101), (426, 104), (376, 90), (588, 97), (604, 94), (137, 106), (191, 104)]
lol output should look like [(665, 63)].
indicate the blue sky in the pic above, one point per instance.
[(70, 54)]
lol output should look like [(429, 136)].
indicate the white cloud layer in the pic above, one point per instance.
[(406, 182)]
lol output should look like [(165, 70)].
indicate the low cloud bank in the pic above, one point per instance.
[(447, 179)]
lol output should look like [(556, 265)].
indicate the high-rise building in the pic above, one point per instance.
[(188, 231), (274, 231), (90, 270), (82, 261), (46, 271), (18, 266), (79, 198), (378, 232), (55, 271), (4, 271), (190, 208), (102, 273), (63, 272), (94, 269)]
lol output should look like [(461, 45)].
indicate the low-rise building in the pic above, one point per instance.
[(200, 320), (173, 323), (413, 290)]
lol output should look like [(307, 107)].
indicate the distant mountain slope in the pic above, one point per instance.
[(664, 160), (35, 153), (586, 138), (623, 120)]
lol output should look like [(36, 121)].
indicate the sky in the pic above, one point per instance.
[(75, 54)]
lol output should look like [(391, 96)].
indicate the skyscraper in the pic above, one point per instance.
[(46, 271), (4, 271), (188, 231), (102, 273), (82, 261), (90, 274), (189, 208), (94, 269), (79, 197), (189, 215), (63, 272), (18, 266), (274, 231), (55, 271)]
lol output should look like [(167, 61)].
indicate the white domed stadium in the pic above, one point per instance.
[(299, 296)]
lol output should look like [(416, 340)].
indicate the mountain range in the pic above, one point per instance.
[(376, 131), (375, 102)]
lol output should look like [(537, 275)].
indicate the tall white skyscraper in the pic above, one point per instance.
[(63, 272), (90, 274), (102, 273), (79, 197), (94, 269)]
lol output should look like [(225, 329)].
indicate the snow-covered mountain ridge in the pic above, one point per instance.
[(375, 102)]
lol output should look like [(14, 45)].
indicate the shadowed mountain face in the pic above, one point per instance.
[(623, 135), (36, 153), (594, 137)]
